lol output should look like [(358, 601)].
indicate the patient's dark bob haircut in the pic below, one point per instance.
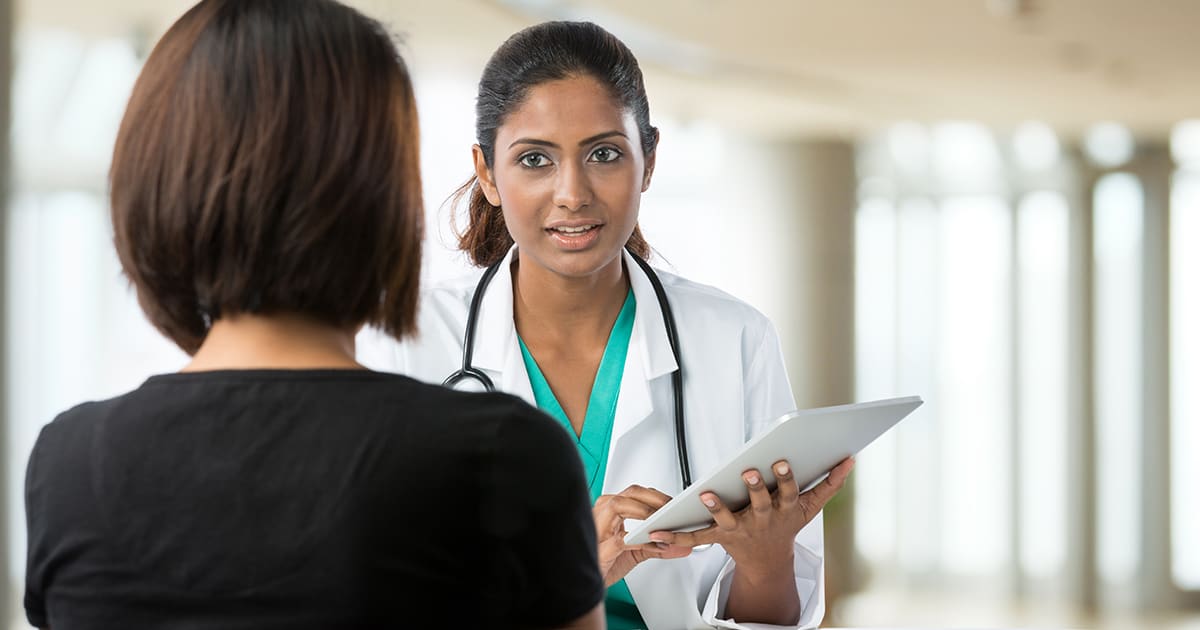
[(267, 163)]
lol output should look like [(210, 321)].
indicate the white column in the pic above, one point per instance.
[(1081, 580), (1152, 165), (811, 186), (812, 189)]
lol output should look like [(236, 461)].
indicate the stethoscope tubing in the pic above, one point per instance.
[(469, 372)]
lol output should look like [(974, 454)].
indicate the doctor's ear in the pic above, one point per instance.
[(651, 158), (487, 183)]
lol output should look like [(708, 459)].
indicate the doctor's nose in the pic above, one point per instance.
[(572, 190)]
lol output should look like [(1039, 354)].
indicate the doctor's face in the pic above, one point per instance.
[(568, 173)]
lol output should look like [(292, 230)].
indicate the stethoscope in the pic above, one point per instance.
[(468, 372)]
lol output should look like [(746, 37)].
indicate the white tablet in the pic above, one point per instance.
[(813, 441)]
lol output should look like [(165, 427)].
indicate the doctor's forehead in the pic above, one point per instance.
[(566, 111)]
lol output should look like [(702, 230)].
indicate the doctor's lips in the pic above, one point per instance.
[(574, 233)]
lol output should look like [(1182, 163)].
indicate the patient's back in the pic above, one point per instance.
[(306, 498)]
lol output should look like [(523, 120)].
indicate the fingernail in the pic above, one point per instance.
[(659, 538), (782, 469), (662, 545), (709, 500), (752, 479)]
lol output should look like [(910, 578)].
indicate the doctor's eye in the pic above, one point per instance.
[(605, 154), (533, 160)]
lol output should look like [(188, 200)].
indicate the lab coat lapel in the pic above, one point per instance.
[(664, 590), (497, 351), (634, 403), (649, 356)]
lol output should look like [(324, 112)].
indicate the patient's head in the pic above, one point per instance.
[(267, 164)]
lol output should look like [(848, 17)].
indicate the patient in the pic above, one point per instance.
[(266, 204)]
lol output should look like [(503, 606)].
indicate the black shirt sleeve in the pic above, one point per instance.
[(35, 598), (537, 514)]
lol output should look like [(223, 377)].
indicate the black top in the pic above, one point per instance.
[(306, 498)]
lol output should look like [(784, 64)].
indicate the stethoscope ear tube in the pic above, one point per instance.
[(468, 372), (685, 471)]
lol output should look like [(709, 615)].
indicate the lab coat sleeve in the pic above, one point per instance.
[(768, 395)]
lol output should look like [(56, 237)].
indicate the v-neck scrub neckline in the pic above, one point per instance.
[(595, 436)]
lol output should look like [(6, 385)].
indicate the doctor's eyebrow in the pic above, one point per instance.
[(588, 140)]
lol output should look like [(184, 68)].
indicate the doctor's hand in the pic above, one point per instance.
[(760, 536), (610, 511)]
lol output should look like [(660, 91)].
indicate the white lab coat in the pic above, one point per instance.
[(734, 384)]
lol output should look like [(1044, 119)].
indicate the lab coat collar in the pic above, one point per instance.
[(649, 357), (496, 348), (655, 349)]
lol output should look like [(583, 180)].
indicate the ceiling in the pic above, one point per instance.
[(819, 68)]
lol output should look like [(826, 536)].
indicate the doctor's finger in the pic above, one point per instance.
[(606, 518), (816, 498), (608, 525), (605, 511), (610, 548), (629, 507), (721, 515), (706, 536), (649, 496), (760, 497), (663, 552), (787, 492)]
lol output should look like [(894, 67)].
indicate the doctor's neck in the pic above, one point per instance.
[(559, 304), (278, 341)]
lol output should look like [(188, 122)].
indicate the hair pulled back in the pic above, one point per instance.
[(539, 54)]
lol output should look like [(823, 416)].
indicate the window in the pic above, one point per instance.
[(975, 386), (1185, 358), (1042, 285), (1118, 369), (876, 300)]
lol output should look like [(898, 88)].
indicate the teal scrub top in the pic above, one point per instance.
[(593, 441)]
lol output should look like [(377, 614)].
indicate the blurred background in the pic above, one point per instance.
[(994, 204)]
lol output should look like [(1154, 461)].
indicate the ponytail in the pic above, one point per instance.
[(486, 239)]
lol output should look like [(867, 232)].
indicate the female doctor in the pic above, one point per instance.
[(569, 320)]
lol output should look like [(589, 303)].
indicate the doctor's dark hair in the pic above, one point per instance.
[(267, 163), (539, 54)]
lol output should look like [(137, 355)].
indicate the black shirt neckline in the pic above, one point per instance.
[(269, 374)]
